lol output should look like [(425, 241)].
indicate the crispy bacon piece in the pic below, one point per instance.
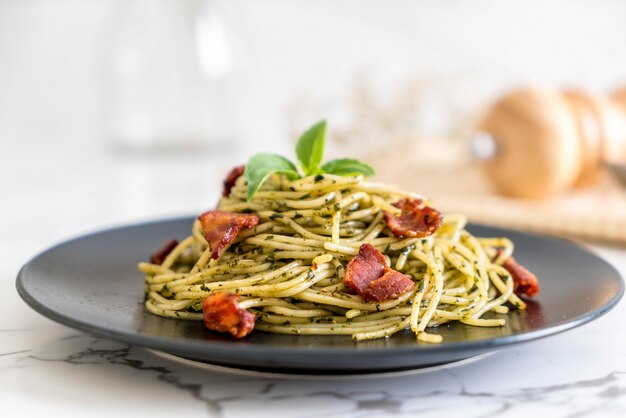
[(391, 285), (363, 269), (231, 178), (368, 275), (526, 282), (159, 256), (222, 313), (416, 220), (221, 228)]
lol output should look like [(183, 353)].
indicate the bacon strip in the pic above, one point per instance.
[(222, 313), (526, 283), (159, 256), (220, 228), (417, 220), (363, 269), (392, 284), (231, 178), (369, 276)]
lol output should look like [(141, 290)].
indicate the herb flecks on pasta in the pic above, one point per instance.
[(292, 269)]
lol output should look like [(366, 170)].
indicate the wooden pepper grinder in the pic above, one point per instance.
[(540, 142)]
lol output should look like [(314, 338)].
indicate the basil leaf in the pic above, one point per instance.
[(262, 165), (310, 148), (348, 167)]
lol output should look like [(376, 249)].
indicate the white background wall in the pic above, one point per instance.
[(51, 55)]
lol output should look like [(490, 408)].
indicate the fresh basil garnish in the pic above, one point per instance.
[(310, 151), (347, 167), (310, 148), (263, 165)]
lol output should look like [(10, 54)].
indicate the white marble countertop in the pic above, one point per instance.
[(47, 369)]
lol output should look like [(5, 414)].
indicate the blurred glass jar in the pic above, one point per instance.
[(168, 75)]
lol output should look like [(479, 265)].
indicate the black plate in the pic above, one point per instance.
[(91, 283)]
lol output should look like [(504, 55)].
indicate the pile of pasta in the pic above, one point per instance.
[(289, 271)]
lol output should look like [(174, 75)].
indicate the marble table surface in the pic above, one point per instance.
[(47, 369)]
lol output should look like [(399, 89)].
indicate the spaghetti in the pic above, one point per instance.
[(289, 269)]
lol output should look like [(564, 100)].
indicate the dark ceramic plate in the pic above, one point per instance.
[(91, 283)]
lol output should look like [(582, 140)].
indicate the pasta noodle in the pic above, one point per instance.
[(289, 269)]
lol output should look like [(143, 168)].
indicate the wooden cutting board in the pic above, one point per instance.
[(441, 171)]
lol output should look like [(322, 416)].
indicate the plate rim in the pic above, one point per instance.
[(174, 344)]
